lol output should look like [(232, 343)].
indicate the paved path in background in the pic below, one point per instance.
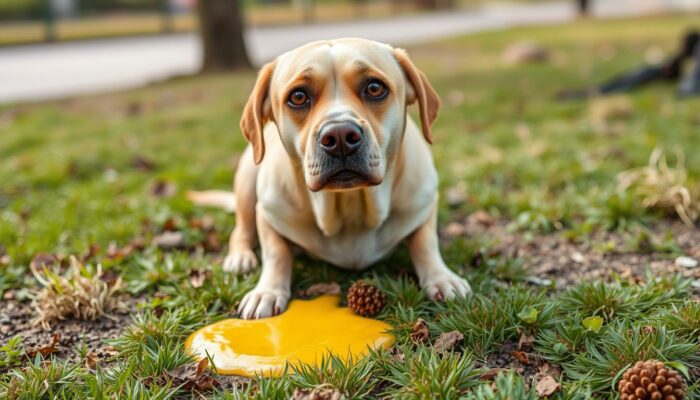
[(46, 71)]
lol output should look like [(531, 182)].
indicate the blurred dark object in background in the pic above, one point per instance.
[(670, 70), (583, 7), (691, 84)]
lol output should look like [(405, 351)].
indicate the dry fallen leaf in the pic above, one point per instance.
[(521, 356), (142, 163), (319, 289), (93, 250), (45, 350), (455, 229), (191, 377), (552, 370), (91, 360), (42, 260), (482, 218), (547, 386), (198, 276), (169, 240), (526, 341), (204, 224), (110, 351), (447, 341), (114, 252), (163, 189), (211, 242), (523, 52), (319, 393), (492, 373), (170, 224), (397, 354), (420, 332)]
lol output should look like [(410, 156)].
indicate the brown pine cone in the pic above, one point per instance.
[(365, 299), (651, 380)]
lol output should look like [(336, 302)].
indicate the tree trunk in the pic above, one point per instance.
[(583, 7), (221, 29)]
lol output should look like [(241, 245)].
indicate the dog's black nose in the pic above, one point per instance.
[(340, 139)]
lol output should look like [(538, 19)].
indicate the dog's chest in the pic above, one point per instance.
[(350, 232), (353, 247)]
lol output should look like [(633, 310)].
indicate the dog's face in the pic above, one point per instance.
[(340, 109)]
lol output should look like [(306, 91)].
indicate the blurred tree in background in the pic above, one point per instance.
[(583, 7), (221, 30)]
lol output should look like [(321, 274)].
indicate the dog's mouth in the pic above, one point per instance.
[(345, 179)]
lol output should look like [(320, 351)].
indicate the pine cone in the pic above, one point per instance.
[(651, 380), (365, 299)]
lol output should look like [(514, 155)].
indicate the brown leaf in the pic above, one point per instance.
[(114, 252), (447, 341), (521, 356), (110, 351), (91, 360), (42, 260), (163, 189), (45, 350), (211, 242), (319, 289), (523, 52), (169, 240), (191, 377), (142, 163), (397, 354), (492, 373), (547, 386), (481, 217), (549, 369), (170, 225), (319, 393), (109, 277), (198, 276), (526, 341), (202, 365), (420, 332), (204, 224), (455, 229), (93, 250)]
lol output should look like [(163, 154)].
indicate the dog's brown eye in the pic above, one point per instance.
[(376, 90), (298, 98)]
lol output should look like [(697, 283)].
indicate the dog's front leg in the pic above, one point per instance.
[(438, 281), (271, 294)]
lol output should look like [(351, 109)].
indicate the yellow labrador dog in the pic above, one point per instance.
[(337, 167)]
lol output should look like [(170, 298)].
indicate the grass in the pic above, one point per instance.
[(73, 176)]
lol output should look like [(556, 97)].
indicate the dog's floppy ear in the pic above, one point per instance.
[(258, 111), (419, 89)]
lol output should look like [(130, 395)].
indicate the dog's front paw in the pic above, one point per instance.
[(262, 303), (240, 261), (447, 286)]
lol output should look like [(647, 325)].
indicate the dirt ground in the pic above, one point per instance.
[(558, 259)]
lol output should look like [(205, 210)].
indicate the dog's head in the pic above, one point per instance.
[(340, 109)]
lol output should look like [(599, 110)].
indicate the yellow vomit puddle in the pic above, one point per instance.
[(305, 333)]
